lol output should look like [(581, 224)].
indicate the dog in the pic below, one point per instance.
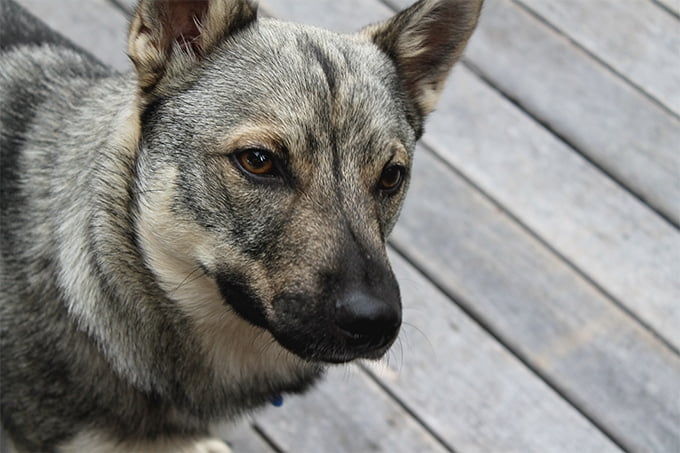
[(186, 242)]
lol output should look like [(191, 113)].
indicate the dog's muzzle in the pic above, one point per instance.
[(351, 321), (347, 311)]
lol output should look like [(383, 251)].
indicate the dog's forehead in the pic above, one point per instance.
[(314, 84), (319, 57)]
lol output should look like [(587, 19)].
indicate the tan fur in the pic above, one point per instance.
[(173, 249), (98, 442), (144, 54), (261, 135)]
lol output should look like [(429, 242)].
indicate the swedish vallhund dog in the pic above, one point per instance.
[(183, 243)]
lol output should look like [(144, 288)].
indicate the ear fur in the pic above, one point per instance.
[(424, 41), (168, 36)]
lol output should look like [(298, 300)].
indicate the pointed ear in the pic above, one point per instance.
[(168, 36), (424, 41)]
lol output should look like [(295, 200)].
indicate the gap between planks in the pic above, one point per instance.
[(610, 66)]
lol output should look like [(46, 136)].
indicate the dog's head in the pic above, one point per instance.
[(274, 160)]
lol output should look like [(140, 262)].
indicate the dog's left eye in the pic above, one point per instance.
[(257, 162), (391, 178)]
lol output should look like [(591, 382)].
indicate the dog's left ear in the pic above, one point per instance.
[(424, 41), (169, 36)]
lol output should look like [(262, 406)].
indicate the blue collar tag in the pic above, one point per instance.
[(277, 401)]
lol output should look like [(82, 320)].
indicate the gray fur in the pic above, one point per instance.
[(149, 285)]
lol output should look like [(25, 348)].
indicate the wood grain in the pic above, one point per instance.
[(606, 233), (470, 389), (634, 37), (95, 25), (600, 114)]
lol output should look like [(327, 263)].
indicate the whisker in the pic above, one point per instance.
[(414, 328), (188, 279)]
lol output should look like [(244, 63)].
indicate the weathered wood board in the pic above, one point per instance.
[(673, 6), (603, 231), (346, 16), (470, 389), (605, 118), (635, 37), (96, 25), (242, 438)]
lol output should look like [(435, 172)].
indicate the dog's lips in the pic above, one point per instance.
[(350, 357), (334, 348)]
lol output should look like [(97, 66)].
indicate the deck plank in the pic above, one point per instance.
[(346, 16), (600, 114), (95, 25), (610, 236), (672, 5), (635, 37), (128, 6)]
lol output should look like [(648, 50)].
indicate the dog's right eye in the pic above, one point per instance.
[(257, 162)]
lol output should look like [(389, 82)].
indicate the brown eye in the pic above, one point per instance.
[(391, 178), (257, 162)]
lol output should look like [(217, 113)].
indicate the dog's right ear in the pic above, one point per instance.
[(169, 36), (424, 41)]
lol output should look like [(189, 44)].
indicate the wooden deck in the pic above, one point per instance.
[(538, 252)]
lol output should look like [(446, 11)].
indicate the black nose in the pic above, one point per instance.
[(368, 322)]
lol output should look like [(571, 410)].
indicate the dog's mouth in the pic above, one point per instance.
[(359, 325), (333, 344)]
